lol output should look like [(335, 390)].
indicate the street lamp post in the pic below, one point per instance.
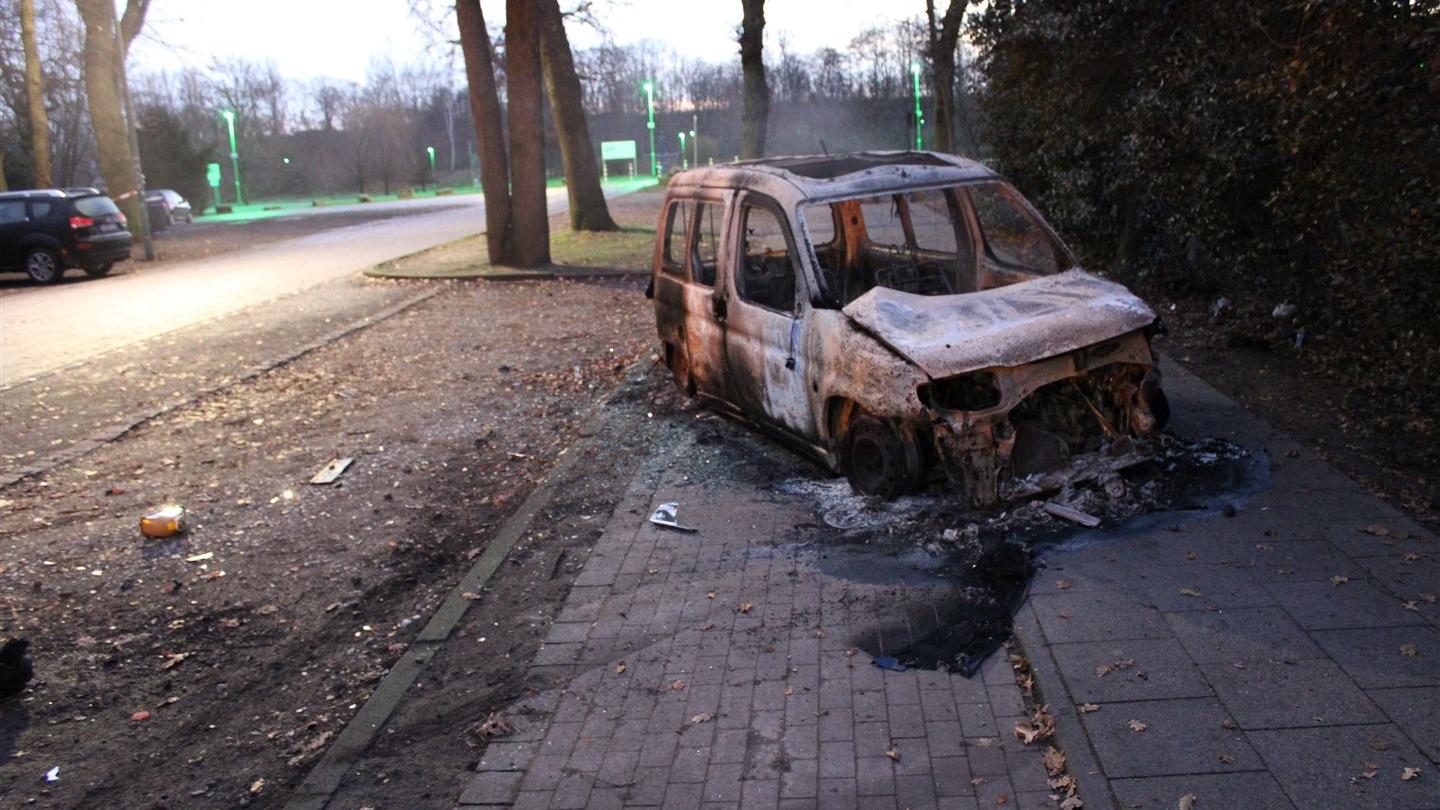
[(430, 152), (650, 124), (919, 119), (684, 158), (694, 141), (229, 116)]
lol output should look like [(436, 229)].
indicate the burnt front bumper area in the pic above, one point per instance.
[(1008, 433)]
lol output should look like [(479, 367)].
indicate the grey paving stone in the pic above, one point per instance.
[(1180, 737), (837, 793), (1374, 658), (995, 791), (1218, 587), (760, 794), (952, 776), (1265, 560), (1161, 669), (915, 791), (492, 788), (1321, 767), (1417, 712), (1323, 606), (800, 780), (874, 775), (1096, 616), (1270, 694), (1255, 790), (1246, 634)]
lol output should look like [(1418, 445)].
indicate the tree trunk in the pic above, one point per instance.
[(35, 96), (755, 112), (102, 92), (4, 186), (588, 211), (944, 37), (530, 220), (489, 133)]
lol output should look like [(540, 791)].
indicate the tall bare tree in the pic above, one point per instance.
[(588, 211), (530, 219), (35, 97), (755, 112), (104, 65), (489, 130), (944, 37)]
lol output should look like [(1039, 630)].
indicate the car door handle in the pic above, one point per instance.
[(717, 305)]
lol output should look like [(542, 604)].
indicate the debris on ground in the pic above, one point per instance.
[(1071, 514), (167, 521), (332, 471), (889, 662), (665, 515)]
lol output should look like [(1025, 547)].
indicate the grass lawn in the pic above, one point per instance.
[(627, 250)]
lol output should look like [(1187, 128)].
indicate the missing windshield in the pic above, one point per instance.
[(945, 241)]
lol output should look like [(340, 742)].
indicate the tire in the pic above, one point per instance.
[(879, 459), (99, 271), (43, 266)]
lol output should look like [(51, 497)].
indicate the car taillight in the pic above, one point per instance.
[(76, 223)]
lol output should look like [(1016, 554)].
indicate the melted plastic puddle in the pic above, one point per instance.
[(961, 589)]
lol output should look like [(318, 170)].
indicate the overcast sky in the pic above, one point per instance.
[(338, 38)]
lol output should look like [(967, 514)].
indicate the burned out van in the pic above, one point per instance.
[(901, 316)]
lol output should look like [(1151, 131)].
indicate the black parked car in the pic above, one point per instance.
[(45, 232)]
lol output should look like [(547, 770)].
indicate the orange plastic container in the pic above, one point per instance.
[(166, 521)]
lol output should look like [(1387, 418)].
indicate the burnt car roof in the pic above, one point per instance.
[(816, 177)]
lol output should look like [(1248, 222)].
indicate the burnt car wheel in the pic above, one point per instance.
[(879, 459), (99, 270), (43, 266)]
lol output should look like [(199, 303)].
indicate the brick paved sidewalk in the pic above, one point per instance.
[(714, 670), (1267, 654)]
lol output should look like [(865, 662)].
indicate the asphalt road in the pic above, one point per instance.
[(43, 329)]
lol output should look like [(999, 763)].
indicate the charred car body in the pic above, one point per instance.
[(898, 314)]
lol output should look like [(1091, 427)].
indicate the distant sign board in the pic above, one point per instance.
[(212, 174), (617, 150)]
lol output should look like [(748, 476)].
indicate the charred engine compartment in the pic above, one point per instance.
[(1002, 434)]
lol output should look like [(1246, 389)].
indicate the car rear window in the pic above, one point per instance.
[(95, 206)]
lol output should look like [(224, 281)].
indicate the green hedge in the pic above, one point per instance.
[(1265, 151)]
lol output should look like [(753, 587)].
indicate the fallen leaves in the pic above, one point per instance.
[(1376, 529), (677, 686), (140, 716), (1187, 591), (1086, 708), (1408, 774), (1063, 584), (1339, 580), (494, 726), (703, 717), (1054, 760), (1428, 598), (257, 786), (1137, 726), (1411, 605), (1226, 759), (620, 668), (1186, 802), (173, 660), (747, 607), (1409, 650), (893, 752), (1410, 556), (1117, 666), (1040, 726)]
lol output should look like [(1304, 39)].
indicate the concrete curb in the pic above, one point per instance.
[(134, 421), (1091, 783), (514, 275), (319, 786)]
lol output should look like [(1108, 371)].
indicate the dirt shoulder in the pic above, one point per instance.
[(251, 640)]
